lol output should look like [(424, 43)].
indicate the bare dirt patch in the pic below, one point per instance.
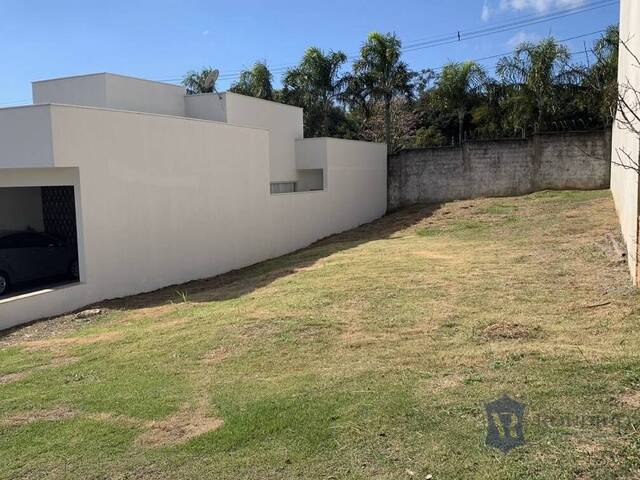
[(508, 331), (12, 377), (217, 355), (156, 312), (631, 399), (442, 382), (179, 428), (52, 415), (355, 336), (588, 447), (52, 327)]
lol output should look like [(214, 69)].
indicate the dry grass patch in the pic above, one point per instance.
[(589, 447), (12, 377), (181, 427), (218, 355), (56, 343), (509, 331), (152, 313), (442, 382), (49, 328), (385, 328), (50, 415), (631, 399)]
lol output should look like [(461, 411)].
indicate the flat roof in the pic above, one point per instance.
[(105, 74), (131, 112)]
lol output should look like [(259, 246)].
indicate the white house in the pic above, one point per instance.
[(163, 188), (625, 157)]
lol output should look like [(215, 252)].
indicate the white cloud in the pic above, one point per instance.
[(539, 5), (521, 37), (205, 33), (570, 3), (486, 11)]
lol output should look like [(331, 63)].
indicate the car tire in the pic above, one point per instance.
[(4, 283), (74, 269)]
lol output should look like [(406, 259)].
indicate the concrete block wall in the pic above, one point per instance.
[(499, 168)]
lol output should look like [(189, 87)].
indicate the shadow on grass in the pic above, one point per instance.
[(240, 282)]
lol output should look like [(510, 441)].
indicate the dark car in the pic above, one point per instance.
[(27, 256)]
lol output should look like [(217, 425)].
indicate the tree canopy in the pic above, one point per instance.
[(195, 81), (255, 82), (379, 75), (316, 85), (378, 97)]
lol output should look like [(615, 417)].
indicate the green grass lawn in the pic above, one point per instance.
[(370, 354)]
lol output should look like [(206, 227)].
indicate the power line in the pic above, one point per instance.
[(510, 53), (451, 38), (522, 18), (445, 39), (511, 26), (15, 103), (435, 69)]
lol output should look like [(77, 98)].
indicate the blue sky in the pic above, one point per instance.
[(162, 39)]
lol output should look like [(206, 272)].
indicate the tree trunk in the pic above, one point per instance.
[(326, 122), (538, 126), (460, 127), (387, 124)]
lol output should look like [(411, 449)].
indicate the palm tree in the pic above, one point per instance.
[(601, 79), (195, 81), (315, 85), (255, 82), (457, 86), (537, 70), (380, 75)]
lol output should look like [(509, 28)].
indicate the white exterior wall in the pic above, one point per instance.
[(163, 200), (284, 124), (207, 106), (624, 181), (139, 95), (89, 90), (107, 90), (311, 162), (25, 137)]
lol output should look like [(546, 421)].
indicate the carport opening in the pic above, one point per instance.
[(38, 238)]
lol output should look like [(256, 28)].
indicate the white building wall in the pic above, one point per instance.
[(284, 124), (624, 181), (207, 106), (171, 199), (140, 95), (25, 137), (163, 200), (108, 90), (88, 90)]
